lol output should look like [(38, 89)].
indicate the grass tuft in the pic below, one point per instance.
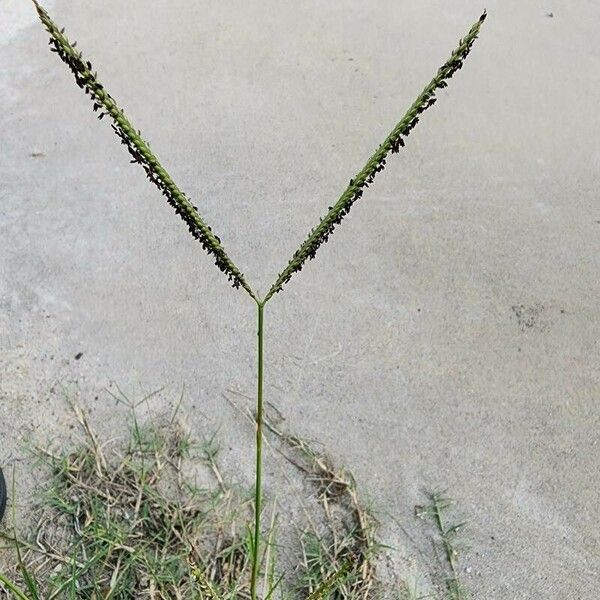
[(447, 533), (125, 523), (124, 520), (128, 520), (337, 554)]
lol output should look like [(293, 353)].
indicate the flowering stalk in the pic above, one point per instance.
[(104, 104)]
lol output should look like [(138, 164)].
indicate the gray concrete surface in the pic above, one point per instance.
[(447, 336)]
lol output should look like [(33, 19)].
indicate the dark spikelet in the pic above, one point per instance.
[(395, 140), (105, 105)]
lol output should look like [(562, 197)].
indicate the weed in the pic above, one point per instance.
[(447, 534), (105, 105), (339, 552), (125, 523), (122, 521)]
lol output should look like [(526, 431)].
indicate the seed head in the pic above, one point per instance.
[(395, 140), (105, 105)]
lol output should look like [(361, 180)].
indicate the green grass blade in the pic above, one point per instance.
[(139, 149), (330, 583), (270, 560), (29, 580), (376, 163), (273, 586), (12, 588)]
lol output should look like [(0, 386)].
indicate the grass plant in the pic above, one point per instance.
[(106, 106), (128, 519), (123, 521), (152, 514), (437, 510)]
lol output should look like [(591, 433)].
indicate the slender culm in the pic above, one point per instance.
[(104, 104), (259, 436)]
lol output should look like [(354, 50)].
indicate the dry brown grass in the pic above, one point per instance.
[(125, 520)]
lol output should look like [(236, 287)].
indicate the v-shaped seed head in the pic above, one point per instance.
[(105, 105)]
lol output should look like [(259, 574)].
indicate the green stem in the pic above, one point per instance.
[(258, 472)]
